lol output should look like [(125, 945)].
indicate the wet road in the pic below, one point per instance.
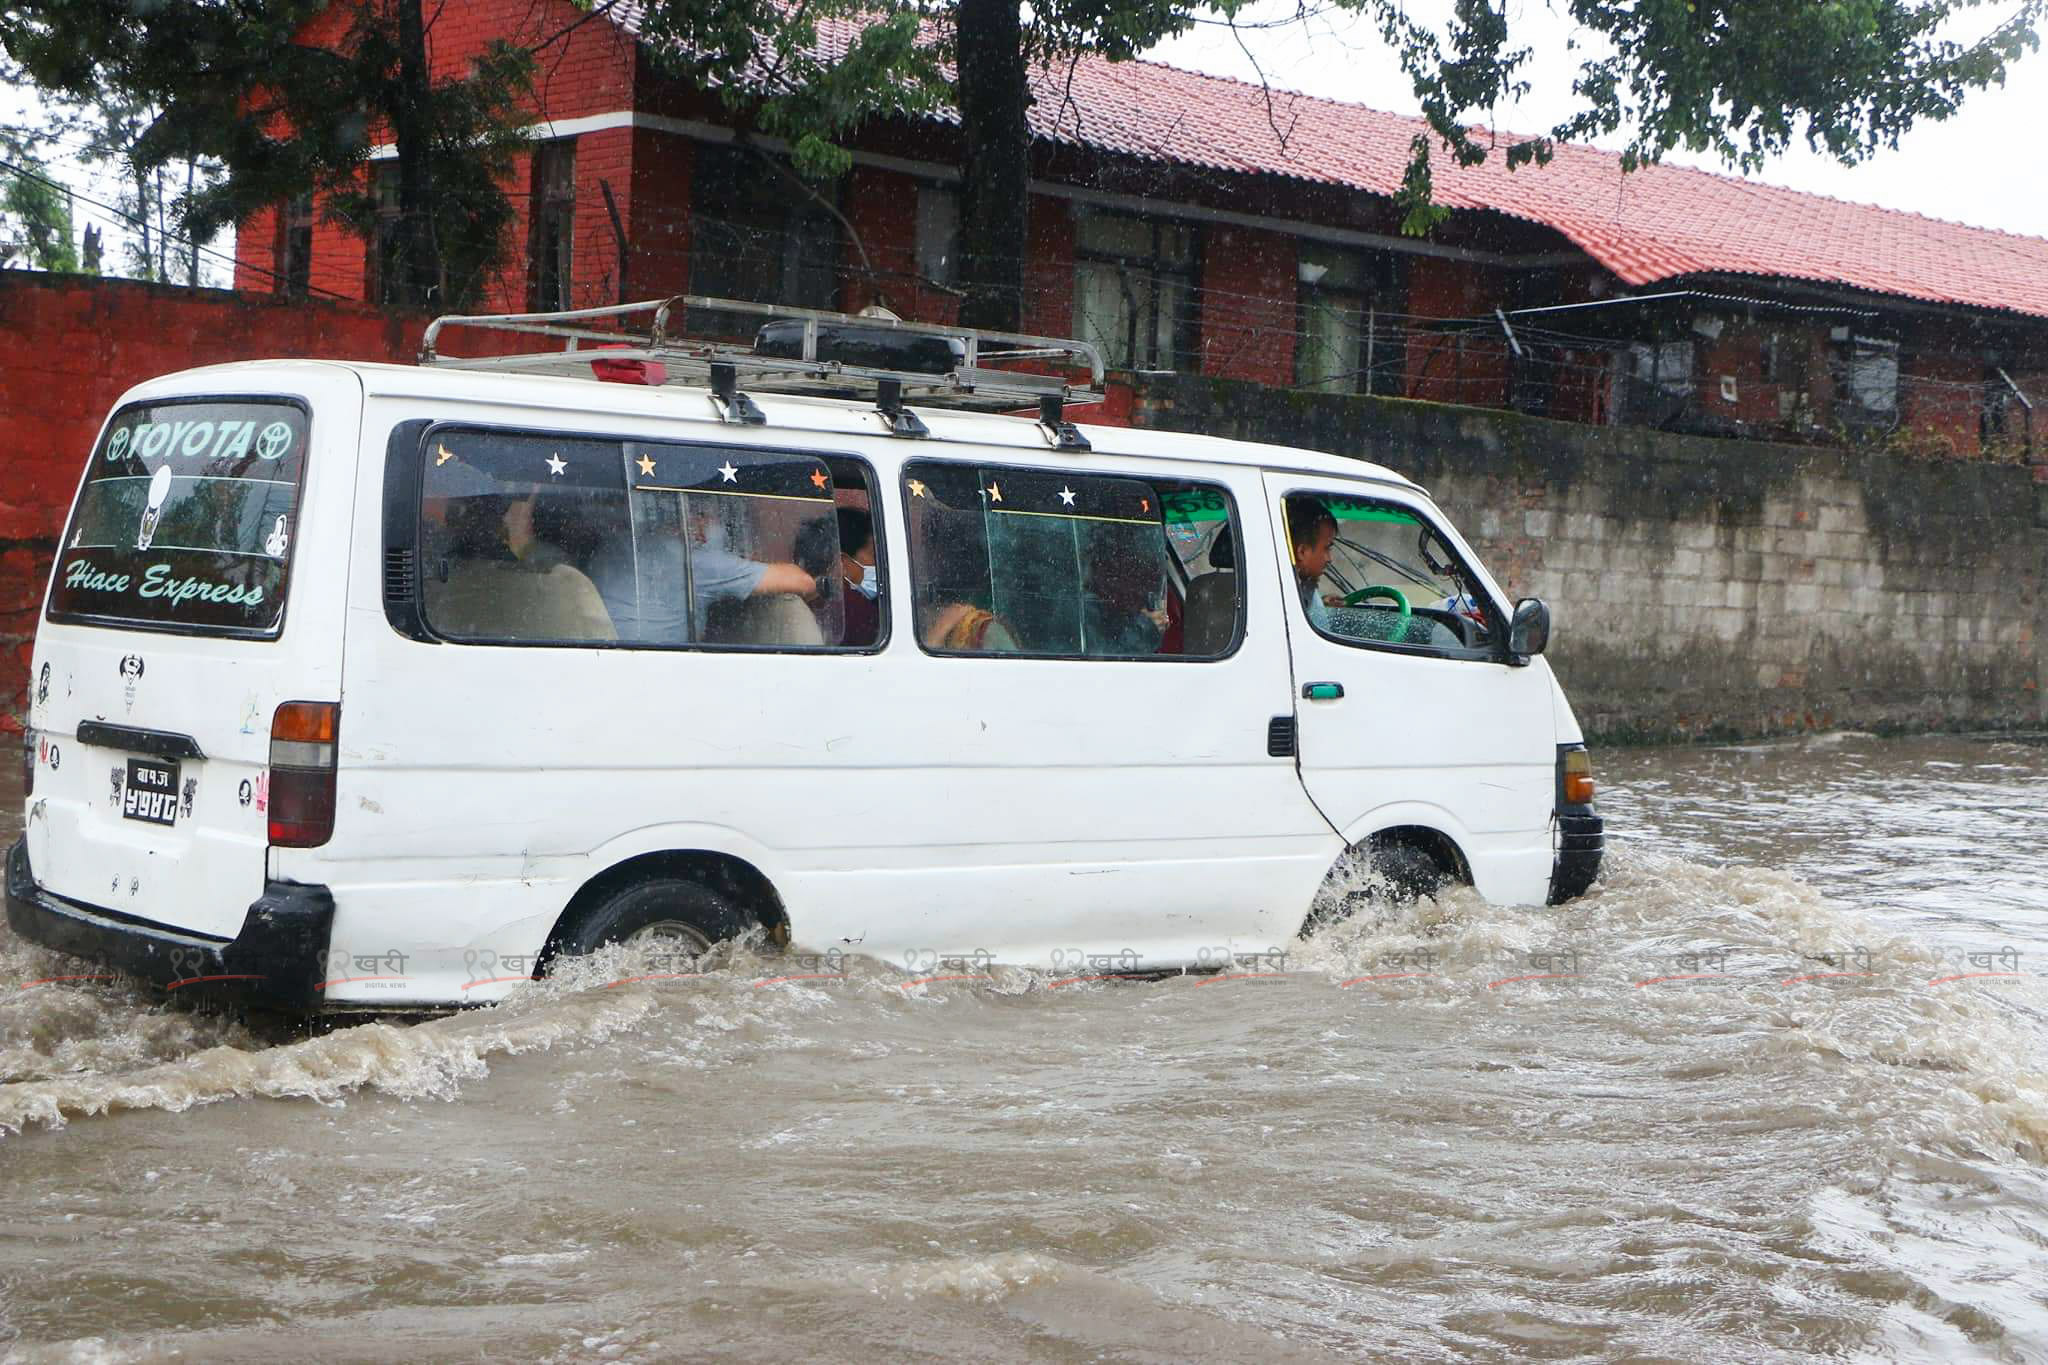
[(1774, 1090)]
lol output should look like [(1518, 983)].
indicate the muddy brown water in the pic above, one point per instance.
[(1754, 1098)]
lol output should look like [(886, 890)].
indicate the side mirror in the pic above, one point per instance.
[(1529, 631)]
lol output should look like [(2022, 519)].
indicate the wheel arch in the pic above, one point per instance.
[(1419, 824), (726, 873), (1442, 849)]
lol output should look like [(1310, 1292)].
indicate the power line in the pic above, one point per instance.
[(187, 238)]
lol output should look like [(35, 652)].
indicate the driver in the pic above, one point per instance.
[(1313, 530)]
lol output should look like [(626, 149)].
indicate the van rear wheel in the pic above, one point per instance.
[(668, 914)]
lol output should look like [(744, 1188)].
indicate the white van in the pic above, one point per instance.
[(368, 686)]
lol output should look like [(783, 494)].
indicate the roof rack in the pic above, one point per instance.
[(800, 350)]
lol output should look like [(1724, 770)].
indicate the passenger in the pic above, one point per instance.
[(493, 591), (962, 625), (860, 582), (1118, 615), (641, 575), (951, 616), (1313, 531), (532, 548)]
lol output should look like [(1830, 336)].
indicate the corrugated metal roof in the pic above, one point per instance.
[(1658, 223)]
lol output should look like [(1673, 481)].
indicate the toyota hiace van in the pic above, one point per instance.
[(367, 686)]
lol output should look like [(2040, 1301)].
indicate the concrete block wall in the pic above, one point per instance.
[(1711, 588)]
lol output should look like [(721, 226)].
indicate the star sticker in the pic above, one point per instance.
[(442, 455), (818, 479), (727, 474), (646, 467), (556, 464), (916, 489), (995, 494), (1066, 496)]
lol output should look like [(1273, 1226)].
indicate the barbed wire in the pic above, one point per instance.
[(1168, 319)]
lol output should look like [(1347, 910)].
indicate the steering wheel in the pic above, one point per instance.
[(1352, 599)]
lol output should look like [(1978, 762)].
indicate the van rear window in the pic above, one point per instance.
[(186, 519)]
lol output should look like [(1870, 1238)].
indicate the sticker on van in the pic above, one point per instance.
[(185, 518)]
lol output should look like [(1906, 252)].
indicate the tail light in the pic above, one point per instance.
[(1575, 786), (302, 770), (28, 760)]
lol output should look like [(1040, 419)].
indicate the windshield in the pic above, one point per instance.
[(186, 518)]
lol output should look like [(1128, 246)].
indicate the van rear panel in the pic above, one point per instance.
[(199, 584)]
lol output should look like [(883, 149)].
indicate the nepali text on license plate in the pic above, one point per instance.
[(152, 793)]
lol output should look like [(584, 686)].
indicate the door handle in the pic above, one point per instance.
[(1322, 691)]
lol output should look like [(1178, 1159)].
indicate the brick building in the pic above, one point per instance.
[(1187, 223)]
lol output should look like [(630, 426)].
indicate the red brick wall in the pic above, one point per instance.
[(1049, 267), (658, 224), (1946, 412), (1467, 368), (1738, 355), (69, 346), (1247, 324), (589, 68), (883, 207)]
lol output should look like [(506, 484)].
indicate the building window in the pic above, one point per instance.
[(295, 248), (1134, 288), (756, 236), (2001, 415), (1656, 383), (1337, 299), (938, 234), (551, 226), (1866, 376), (383, 271)]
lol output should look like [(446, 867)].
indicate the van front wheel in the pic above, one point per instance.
[(669, 914)]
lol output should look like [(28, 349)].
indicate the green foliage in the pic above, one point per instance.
[(229, 81), (35, 215), (763, 59), (1741, 79)]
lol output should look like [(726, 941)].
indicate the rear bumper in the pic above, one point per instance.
[(1581, 840), (275, 961)]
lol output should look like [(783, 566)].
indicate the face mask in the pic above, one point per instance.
[(870, 585)]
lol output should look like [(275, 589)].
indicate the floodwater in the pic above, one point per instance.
[(1774, 1090)]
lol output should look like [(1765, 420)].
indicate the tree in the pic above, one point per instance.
[(37, 210), (239, 82), (1744, 79)]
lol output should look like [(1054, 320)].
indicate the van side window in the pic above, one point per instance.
[(505, 522), (1378, 575), (1068, 565), (532, 538)]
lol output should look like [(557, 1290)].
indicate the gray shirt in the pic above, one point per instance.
[(649, 607)]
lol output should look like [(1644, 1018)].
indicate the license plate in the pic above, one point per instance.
[(152, 794)]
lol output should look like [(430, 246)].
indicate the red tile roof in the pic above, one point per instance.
[(1659, 222), (1655, 224)]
